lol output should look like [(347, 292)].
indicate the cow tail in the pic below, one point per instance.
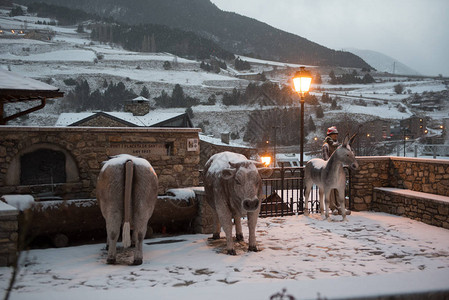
[(126, 232)]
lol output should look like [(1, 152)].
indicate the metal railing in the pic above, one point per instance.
[(284, 193)]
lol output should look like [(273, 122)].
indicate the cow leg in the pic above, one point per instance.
[(238, 228), (227, 227), (326, 204), (217, 226), (252, 222), (113, 232), (138, 236)]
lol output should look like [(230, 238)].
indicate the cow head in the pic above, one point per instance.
[(244, 180)]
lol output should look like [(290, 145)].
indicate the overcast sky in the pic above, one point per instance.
[(415, 32)]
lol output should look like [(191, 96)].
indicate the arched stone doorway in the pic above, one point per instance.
[(42, 164)]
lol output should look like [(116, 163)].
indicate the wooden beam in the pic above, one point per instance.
[(4, 120)]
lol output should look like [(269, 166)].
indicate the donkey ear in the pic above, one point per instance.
[(346, 140), (351, 140), (228, 173)]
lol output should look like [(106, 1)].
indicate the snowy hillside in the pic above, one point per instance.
[(382, 62), (72, 55)]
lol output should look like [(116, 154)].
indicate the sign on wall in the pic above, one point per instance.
[(193, 145), (137, 149)]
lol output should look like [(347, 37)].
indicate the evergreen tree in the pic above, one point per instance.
[(163, 100), (311, 125), (332, 77), (334, 104), (80, 28), (212, 100), (367, 78), (177, 96), (145, 93), (319, 112)]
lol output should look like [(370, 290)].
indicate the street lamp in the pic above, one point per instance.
[(301, 85)]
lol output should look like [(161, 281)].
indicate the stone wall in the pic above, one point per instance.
[(416, 174), (8, 234), (173, 152), (421, 175), (373, 172), (428, 208)]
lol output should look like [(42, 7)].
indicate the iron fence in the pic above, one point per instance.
[(284, 193)]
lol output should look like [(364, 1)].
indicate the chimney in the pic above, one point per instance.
[(225, 137), (139, 106)]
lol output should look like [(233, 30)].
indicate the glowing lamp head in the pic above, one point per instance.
[(302, 81), (266, 160)]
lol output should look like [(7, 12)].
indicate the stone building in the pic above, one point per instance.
[(137, 113), (414, 127), (66, 161)]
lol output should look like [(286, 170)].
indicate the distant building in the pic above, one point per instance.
[(414, 127), (137, 114), (377, 130)]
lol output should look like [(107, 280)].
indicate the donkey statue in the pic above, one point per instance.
[(328, 175), (126, 193)]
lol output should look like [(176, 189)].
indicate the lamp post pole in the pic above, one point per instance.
[(301, 145), (301, 85)]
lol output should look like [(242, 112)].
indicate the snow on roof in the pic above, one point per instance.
[(140, 98), (150, 119), (13, 81), (218, 142)]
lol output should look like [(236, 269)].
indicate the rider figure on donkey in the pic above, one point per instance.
[(330, 144)]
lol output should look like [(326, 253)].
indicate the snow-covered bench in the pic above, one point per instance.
[(425, 207)]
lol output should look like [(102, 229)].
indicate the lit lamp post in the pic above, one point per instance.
[(266, 160), (301, 85)]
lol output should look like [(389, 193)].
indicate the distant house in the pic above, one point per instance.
[(414, 126), (137, 114), (377, 130)]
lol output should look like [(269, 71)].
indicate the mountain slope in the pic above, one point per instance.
[(382, 62), (235, 33)]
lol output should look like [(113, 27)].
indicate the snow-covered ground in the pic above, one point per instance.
[(371, 254)]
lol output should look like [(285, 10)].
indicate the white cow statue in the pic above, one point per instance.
[(233, 187), (126, 193)]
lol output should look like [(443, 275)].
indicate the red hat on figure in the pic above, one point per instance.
[(332, 130)]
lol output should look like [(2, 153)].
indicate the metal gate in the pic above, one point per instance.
[(283, 193)]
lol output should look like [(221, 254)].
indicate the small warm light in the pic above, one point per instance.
[(406, 138), (302, 81), (315, 138), (266, 160), (441, 126), (426, 131), (367, 135)]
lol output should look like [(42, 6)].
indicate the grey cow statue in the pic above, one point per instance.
[(126, 193), (233, 187)]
